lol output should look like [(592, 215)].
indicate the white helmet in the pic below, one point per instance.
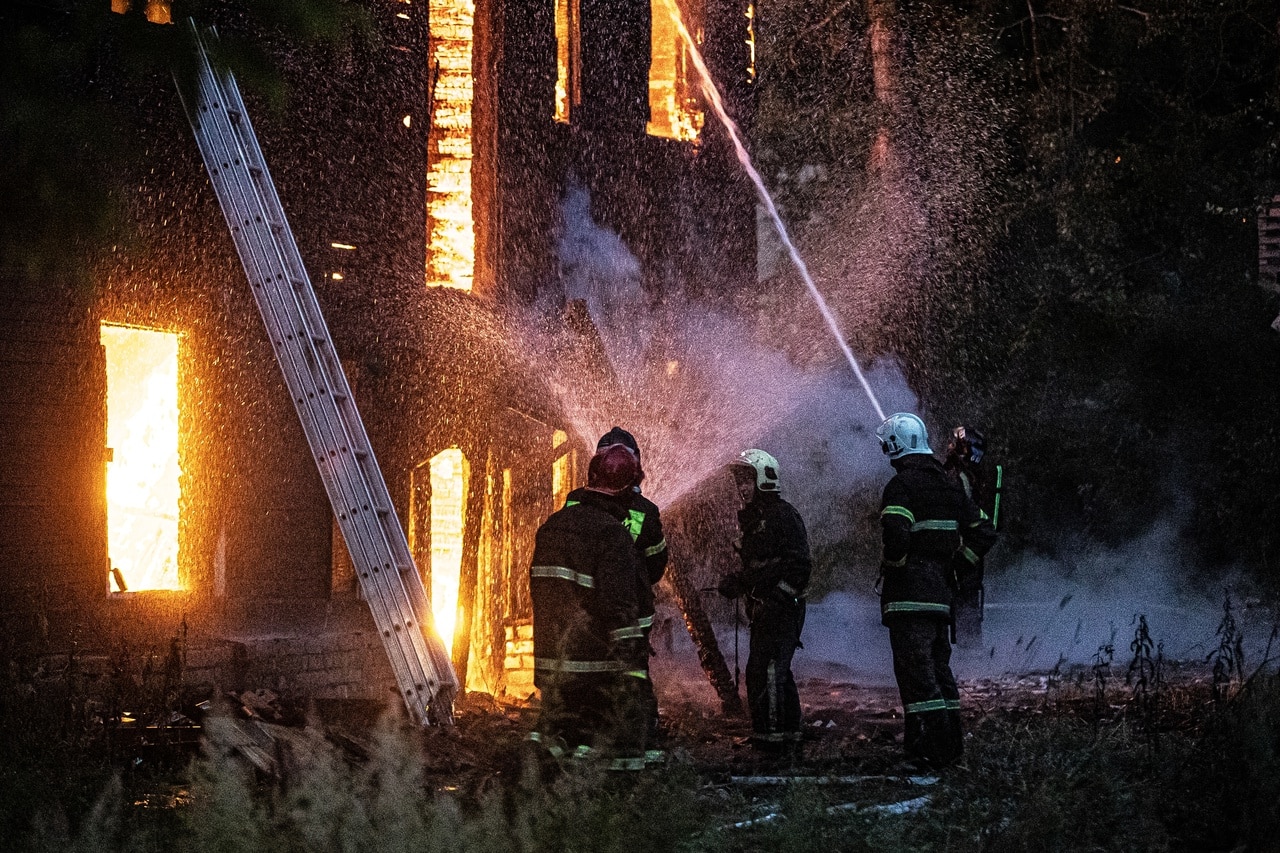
[(903, 434), (765, 467)]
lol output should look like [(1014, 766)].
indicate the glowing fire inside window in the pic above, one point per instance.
[(451, 242), (674, 109), (142, 474), (567, 92), (156, 11), (448, 514)]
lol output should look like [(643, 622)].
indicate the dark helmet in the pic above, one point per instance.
[(618, 435), (613, 470), (968, 444)]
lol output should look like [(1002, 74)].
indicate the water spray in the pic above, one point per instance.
[(717, 104)]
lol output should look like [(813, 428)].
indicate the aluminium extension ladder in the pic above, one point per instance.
[(318, 386)]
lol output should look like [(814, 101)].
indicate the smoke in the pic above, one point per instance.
[(695, 383), (1044, 613)]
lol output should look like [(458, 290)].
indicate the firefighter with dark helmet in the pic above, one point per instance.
[(775, 572), (643, 523), (586, 636), (927, 521), (983, 480)]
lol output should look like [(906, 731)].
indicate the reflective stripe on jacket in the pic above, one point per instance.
[(582, 581), (927, 521)]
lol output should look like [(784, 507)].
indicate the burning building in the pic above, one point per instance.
[(159, 492)]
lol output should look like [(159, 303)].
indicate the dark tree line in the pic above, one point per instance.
[(1085, 286)]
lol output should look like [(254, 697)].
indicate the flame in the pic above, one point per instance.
[(156, 11), (674, 110), (448, 515), (143, 489), (451, 242), (566, 57)]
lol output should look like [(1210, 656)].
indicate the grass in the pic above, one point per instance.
[(1058, 778)]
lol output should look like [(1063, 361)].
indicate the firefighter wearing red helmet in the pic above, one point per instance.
[(926, 520), (776, 565), (585, 631), (644, 524)]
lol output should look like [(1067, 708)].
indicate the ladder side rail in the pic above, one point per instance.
[(283, 338)]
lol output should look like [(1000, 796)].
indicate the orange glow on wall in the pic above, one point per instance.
[(451, 242), (561, 469), (448, 516), (143, 490), (674, 109)]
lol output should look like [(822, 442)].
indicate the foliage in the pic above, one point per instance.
[(1098, 314), (1027, 782)]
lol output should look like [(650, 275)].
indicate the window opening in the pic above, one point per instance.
[(143, 472), (675, 111), (568, 95), (451, 241)]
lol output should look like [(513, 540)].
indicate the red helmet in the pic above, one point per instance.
[(613, 470)]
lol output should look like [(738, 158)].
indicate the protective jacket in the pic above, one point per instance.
[(643, 522), (775, 552), (927, 521), (583, 583), (983, 481)]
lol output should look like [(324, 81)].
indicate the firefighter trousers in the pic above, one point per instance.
[(771, 688), (930, 699), (593, 714)]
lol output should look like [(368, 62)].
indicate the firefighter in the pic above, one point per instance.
[(926, 520), (644, 524), (982, 480), (585, 621), (775, 571)]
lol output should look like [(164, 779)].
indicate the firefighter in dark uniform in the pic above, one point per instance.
[(983, 481), (643, 523), (586, 634), (775, 572), (927, 521)]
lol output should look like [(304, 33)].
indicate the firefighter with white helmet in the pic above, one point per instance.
[(775, 572), (927, 522)]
